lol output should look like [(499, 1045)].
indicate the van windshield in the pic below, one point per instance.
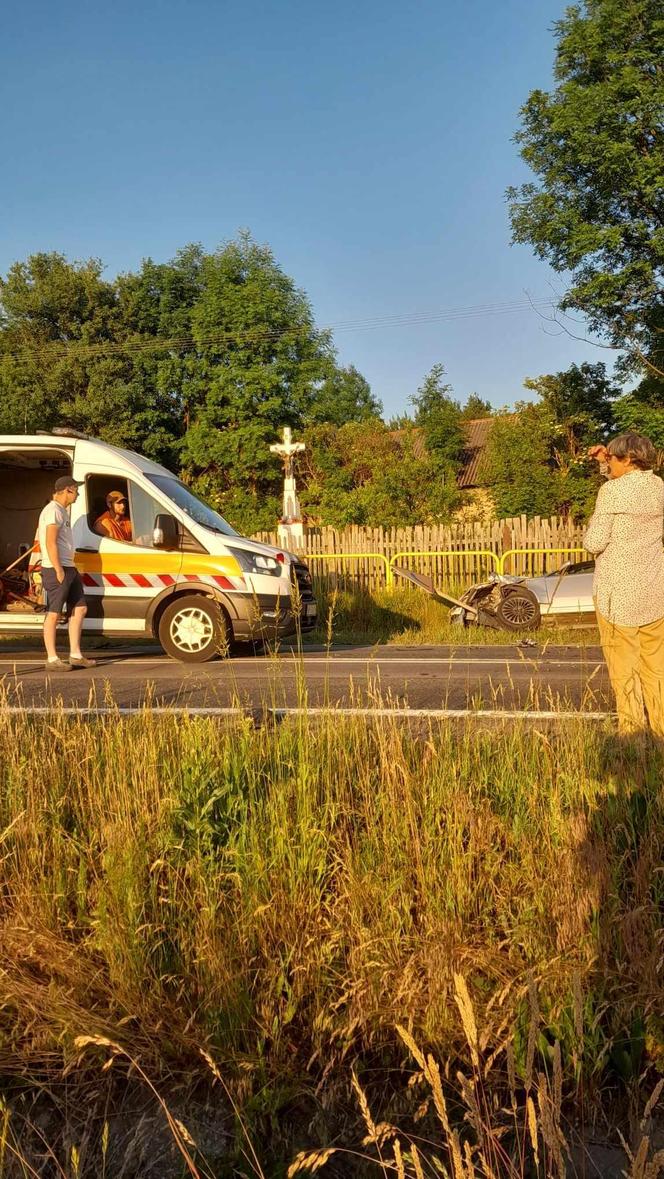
[(191, 504)]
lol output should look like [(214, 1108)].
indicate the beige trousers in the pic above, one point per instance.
[(635, 660)]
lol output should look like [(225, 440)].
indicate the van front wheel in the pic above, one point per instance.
[(194, 629)]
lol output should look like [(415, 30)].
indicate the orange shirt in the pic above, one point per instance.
[(116, 527)]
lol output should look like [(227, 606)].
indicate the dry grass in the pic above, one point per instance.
[(409, 617), (180, 896)]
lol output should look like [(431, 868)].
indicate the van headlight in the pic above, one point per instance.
[(257, 563)]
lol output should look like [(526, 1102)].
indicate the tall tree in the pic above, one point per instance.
[(476, 407), (439, 417), (596, 145), (344, 396), (517, 464), (156, 306), (366, 473), (581, 401), (55, 316), (260, 361), (197, 362), (69, 358)]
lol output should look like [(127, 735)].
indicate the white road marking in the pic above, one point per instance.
[(529, 661), (452, 660), (280, 713)]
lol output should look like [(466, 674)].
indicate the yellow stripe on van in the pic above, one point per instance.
[(158, 562)]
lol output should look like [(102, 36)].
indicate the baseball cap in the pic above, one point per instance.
[(115, 497), (65, 482)]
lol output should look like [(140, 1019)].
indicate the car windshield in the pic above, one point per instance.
[(194, 507), (572, 567)]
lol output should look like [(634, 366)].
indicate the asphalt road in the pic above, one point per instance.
[(571, 678)]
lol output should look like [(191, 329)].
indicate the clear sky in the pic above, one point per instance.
[(367, 141)]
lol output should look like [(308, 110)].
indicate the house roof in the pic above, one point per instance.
[(477, 436)]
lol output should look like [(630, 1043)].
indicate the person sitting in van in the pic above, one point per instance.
[(114, 522)]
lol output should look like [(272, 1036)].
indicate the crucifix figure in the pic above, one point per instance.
[(290, 528)]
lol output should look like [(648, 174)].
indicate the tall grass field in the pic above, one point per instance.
[(331, 947), (410, 617)]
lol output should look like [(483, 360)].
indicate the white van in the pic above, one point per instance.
[(186, 578)]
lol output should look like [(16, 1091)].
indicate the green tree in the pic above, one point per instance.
[(54, 314), (198, 362), (633, 414), (344, 396), (476, 407), (366, 473), (260, 362), (596, 145), (535, 462), (68, 358), (581, 401), (579, 405), (156, 305), (438, 416), (517, 464), (642, 410)]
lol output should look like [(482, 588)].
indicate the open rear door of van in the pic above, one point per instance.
[(29, 467), (28, 471)]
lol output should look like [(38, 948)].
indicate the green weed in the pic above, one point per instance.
[(279, 899)]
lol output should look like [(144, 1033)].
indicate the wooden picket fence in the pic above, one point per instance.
[(450, 554)]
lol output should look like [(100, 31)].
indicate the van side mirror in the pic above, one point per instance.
[(166, 533)]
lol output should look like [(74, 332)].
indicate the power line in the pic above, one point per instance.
[(249, 337)]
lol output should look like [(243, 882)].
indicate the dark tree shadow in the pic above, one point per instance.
[(620, 858)]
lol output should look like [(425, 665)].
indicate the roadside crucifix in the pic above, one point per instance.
[(291, 531)]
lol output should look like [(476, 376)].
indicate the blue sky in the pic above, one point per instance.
[(368, 142)]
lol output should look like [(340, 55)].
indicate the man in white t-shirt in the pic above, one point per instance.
[(60, 577)]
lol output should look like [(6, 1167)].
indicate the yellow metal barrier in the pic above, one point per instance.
[(354, 557), (389, 562), (526, 552), (443, 553)]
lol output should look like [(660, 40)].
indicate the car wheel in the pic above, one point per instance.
[(194, 629), (518, 609)]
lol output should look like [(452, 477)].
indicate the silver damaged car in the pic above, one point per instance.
[(508, 602)]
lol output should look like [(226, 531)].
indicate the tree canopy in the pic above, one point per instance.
[(200, 361), (535, 462), (476, 407), (517, 462), (366, 473), (197, 362), (344, 396), (596, 146), (581, 402), (439, 416)]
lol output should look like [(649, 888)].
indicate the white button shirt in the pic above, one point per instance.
[(625, 534)]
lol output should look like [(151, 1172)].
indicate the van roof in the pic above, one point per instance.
[(109, 453)]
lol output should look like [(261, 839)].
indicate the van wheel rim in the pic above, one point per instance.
[(192, 630)]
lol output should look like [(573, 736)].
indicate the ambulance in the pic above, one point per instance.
[(186, 578)]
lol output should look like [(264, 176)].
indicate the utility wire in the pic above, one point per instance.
[(251, 337)]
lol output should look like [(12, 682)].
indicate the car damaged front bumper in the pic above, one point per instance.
[(503, 601)]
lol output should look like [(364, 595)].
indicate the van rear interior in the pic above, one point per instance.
[(26, 485)]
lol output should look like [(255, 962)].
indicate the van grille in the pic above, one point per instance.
[(302, 578)]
